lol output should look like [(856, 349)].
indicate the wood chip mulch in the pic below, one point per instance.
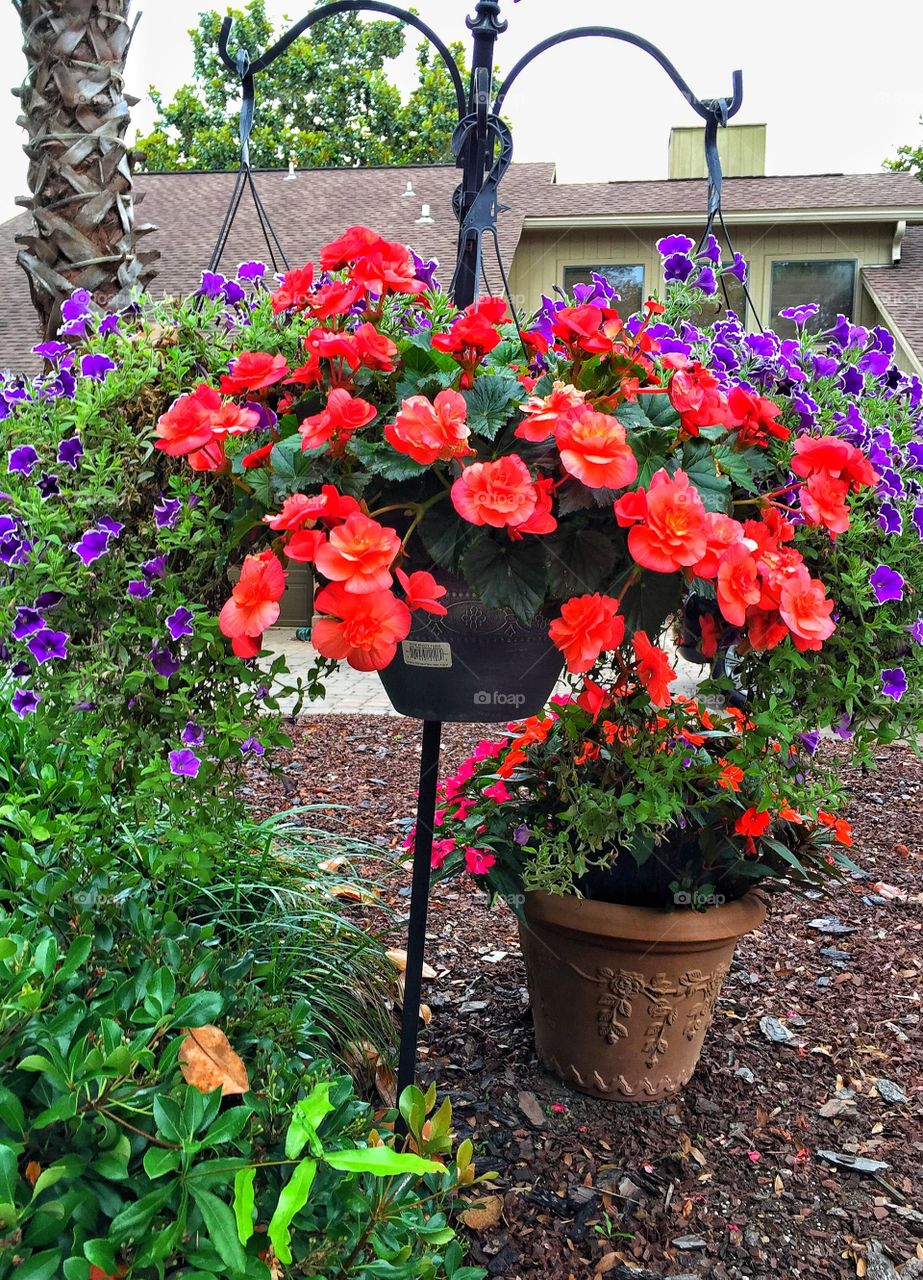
[(725, 1181)]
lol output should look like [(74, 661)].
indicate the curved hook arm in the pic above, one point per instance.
[(706, 109), (330, 11)]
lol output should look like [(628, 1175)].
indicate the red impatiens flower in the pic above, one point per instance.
[(295, 290), (427, 432), (654, 670), (363, 629), (673, 533), (253, 605), (594, 450), (478, 861), (752, 822), (588, 626), (359, 554), (498, 493), (544, 413), (421, 591), (252, 371), (337, 421)]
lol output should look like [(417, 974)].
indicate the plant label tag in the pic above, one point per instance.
[(426, 653)]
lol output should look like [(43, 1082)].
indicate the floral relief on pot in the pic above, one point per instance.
[(693, 994)]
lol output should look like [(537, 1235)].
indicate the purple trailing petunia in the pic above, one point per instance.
[(193, 734), (916, 629), (27, 622), (70, 451), (46, 645), (894, 682), (24, 702), (156, 567), (47, 486), (163, 661), (138, 589), (22, 460), (668, 245), (252, 746), (96, 367), (184, 763), (179, 623), (92, 546), (166, 512), (887, 584), (799, 316)]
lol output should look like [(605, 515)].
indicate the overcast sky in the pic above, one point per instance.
[(838, 84)]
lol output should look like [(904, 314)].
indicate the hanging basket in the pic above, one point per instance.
[(475, 665)]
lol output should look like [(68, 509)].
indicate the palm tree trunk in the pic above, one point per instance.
[(76, 113)]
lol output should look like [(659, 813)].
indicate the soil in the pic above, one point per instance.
[(726, 1181)]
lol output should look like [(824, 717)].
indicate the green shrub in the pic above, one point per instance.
[(111, 1164)]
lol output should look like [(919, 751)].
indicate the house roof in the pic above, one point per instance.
[(187, 209), (898, 292), (882, 196)]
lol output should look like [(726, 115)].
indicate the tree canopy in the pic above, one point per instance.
[(908, 159), (326, 101)]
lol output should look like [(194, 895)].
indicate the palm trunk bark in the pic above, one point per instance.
[(76, 113)]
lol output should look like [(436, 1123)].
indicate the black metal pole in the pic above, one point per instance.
[(419, 902), (485, 26)]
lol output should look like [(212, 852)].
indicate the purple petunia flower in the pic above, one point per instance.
[(45, 645), (156, 567), (251, 271), (887, 584), (163, 661), (711, 251), (824, 366), (193, 734), (851, 380), (874, 363), (252, 746), (811, 741), (27, 622), (109, 324), (917, 519), (889, 518), (138, 589), (184, 763), (800, 316), (48, 486), (916, 629), (425, 271), (706, 282), (915, 455), (52, 350), (678, 267), (842, 727), (738, 268), (77, 305), (110, 526), (48, 600), (24, 702), (22, 460), (166, 512), (894, 682), (20, 670), (212, 285), (521, 834), (668, 245), (233, 293), (96, 367), (178, 623), (92, 546), (70, 451)]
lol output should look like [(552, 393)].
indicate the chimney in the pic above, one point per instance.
[(742, 148)]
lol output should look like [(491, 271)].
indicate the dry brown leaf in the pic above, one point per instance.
[(398, 957), (426, 1014), (484, 1214), (33, 1170), (778, 1185), (207, 1060), (386, 1083), (352, 893), (331, 864), (607, 1262)]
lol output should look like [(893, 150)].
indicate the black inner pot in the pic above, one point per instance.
[(677, 860)]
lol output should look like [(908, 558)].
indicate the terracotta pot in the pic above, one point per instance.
[(476, 664), (622, 996)]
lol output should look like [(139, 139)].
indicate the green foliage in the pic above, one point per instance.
[(110, 1160), (907, 159), (334, 73)]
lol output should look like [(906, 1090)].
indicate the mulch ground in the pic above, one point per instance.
[(726, 1181)]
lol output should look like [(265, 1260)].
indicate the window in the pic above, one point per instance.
[(829, 283), (627, 281)]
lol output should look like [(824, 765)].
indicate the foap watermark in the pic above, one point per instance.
[(498, 698), (699, 900)]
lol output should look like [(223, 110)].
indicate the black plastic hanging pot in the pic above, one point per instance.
[(476, 664)]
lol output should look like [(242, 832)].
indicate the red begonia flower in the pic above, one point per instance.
[(805, 610), (427, 432), (186, 425), (594, 450), (738, 583), (544, 413), (673, 533), (253, 605), (421, 591), (338, 420), (498, 493), (252, 371), (588, 626), (295, 289), (654, 670), (363, 629), (359, 554)]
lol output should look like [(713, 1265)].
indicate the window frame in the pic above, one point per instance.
[(831, 256), (595, 265)]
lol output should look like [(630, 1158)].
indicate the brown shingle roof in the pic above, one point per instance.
[(308, 211), (833, 191), (899, 289)]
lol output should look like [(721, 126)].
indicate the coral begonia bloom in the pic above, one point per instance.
[(823, 502), (588, 626), (753, 417), (499, 493), (211, 457), (334, 299), (363, 629), (654, 670), (805, 610), (673, 534), (541, 520), (690, 386), (721, 532), (295, 289), (593, 449), (544, 413), (429, 432), (359, 554), (338, 420), (738, 583), (234, 419), (258, 456), (422, 592), (354, 242), (253, 605), (186, 425), (251, 371), (304, 545), (297, 511), (386, 267), (375, 350)]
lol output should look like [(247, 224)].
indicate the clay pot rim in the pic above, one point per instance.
[(581, 916)]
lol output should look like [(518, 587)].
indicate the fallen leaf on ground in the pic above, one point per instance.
[(398, 957), (484, 1214), (207, 1060)]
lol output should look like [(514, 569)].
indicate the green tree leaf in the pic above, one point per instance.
[(294, 1197), (244, 1202), (382, 1161), (221, 1227)]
